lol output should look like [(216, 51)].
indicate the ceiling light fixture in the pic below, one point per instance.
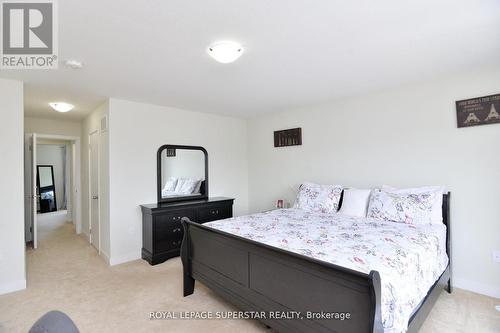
[(61, 106), (225, 51)]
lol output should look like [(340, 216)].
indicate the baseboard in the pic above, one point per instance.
[(476, 287), (12, 286), (117, 260), (106, 257), (85, 235)]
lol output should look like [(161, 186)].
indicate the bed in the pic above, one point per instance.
[(322, 265)]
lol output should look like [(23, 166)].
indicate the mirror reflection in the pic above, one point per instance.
[(182, 173), (46, 189)]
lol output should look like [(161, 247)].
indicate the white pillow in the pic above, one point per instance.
[(437, 208), (409, 208), (318, 198), (180, 183), (355, 202), (188, 186), (170, 184)]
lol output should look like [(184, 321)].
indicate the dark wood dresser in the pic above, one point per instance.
[(161, 224)]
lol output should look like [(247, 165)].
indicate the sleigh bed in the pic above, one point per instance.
[(258, 277)]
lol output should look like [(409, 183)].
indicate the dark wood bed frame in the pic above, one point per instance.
[(257, 277)]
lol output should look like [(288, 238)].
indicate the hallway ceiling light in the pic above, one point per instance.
[(225, 51), (61, 106)]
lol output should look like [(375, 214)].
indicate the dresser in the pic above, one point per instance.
[(162, 230)]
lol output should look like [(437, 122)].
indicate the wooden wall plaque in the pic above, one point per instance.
[(478, 111), (288, 137)]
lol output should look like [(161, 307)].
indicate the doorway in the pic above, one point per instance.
[(52, 182)]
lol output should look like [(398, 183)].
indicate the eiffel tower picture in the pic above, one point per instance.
[(472, 118), (478, 111), (493, 115)]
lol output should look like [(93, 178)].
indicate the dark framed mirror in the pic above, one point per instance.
[(182, 173), (46, 189)]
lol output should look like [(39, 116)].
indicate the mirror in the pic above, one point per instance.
[(46, 189), (182, 173)]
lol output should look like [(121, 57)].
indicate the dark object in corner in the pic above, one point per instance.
[(54, 322), (46, 189), (170, 152), (288, 137)]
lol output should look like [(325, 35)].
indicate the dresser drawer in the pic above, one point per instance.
[(215, 212), (168, 231), (174, 218)]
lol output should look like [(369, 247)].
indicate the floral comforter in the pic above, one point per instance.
[(409, 258)]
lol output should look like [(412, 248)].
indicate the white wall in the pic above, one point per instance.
[(50, 154), (12, 255), (185, 164), (403, 137), (136, 132), (51, 126), (90, 124)]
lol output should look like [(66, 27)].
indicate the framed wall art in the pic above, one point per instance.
[(478, 111)]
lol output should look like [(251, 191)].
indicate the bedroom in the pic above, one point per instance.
[(375, 98)]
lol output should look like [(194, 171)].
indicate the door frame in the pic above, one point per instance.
[(76, 205), (98, 133)]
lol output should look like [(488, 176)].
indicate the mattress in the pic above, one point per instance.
[(409, 258)]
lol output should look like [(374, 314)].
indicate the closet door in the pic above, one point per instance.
[(34, 191), (94, 189)]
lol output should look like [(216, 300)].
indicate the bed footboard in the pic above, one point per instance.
[(259, 278)]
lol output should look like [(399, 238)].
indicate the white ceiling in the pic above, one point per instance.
[(297, 52)]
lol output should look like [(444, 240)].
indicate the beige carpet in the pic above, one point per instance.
[(66, 273)]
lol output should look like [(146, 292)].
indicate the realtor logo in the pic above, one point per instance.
[(29, 34)]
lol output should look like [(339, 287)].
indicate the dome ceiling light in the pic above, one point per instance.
[(61, 106), (225, 52)]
